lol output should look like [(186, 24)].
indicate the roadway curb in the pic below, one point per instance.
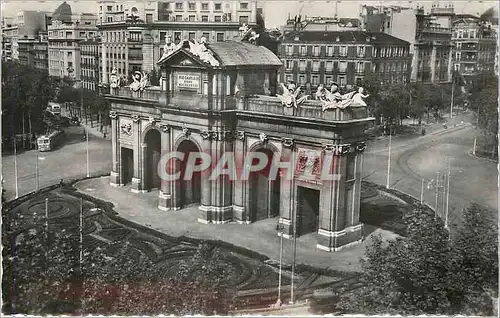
[(480, 158)]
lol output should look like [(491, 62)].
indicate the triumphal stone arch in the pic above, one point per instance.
[(223, 100)]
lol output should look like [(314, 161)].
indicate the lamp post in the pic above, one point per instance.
[(389, 160), (15, 166), (280, 229)]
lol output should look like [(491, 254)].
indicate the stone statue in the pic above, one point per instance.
[(200, 49), (358, 98), (114, 80), (248, 34), (289, 99), (320, 93), (168, 48), (139, 81), (333, 98)]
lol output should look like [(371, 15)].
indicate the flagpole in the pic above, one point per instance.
[(281, 260), (422, 192), (437, 195), (81, 234), (294, 212), (15, 167), (448, 194), (88, 164), (389, 159), (36, 168)]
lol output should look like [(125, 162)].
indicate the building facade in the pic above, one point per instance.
[(429, 36), (133, 34), (217, 105), (64, 36), (90, 63), (474, 46), (313, 58)]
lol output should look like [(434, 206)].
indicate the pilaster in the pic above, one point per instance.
[(433, 63), (239, 211), (115, 179), (287, 188), (137, 182)]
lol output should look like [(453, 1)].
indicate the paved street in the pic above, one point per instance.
[(472, 179), (68, 161)]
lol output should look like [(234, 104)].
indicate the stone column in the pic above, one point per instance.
[(165, 196), (114, 178), (137, 182), (239, 213), (287, 187), (414, 64), (333, 234), (358, 173), (433, 64), (205, 209)]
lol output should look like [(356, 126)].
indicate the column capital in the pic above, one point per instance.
[(240, 135), (152, 120), (360, 147), (113, 115), (185, 131), (165, 128), (135, 118), (288, 142), (263, 138), (205, 134)]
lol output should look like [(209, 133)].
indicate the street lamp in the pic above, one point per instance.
[(281, 230), (389, 159)]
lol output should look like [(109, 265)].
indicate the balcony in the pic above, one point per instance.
[(435, 30)]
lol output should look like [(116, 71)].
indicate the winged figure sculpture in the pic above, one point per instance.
[(289, 99)]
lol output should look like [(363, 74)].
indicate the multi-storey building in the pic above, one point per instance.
[(90, 63), (474, 46), (429, 36), (313, 58), (20, 34), (40, 48), (63, 36), (133, 33), (320, 24)]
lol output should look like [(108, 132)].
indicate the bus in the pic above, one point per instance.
[(54, 108), (50, 142)]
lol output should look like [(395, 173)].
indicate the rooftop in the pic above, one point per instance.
[(234, 53), (343, 37), (63, 13)]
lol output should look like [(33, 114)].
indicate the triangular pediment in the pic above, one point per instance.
[(182, 58)]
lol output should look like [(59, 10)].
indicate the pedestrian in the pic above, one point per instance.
[(61, 183)]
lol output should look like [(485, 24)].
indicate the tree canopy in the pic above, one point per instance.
[(427, 272)]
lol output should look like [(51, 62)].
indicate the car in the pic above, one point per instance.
[(75, 121)]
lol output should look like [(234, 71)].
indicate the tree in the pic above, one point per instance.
[(415, 275)]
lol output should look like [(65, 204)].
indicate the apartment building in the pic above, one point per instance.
[(474, 46), (133, 33), (313, 58), (64, 36), (429, 36), (90, 63)]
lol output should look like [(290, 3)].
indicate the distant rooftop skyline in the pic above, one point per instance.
[(275, 11)]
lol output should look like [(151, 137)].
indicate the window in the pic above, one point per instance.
[(303, 50), (457, 67), (316, 50), (302, 79), (192, 6), (192, 36), (204, 6), (178, 6), (342, 81), (289, 50), (243, 19), (361, 51), (329, 51), (109, 19), (360, 67), (204, 18), (329, 66), (206, 35), (328, 79), (110, 8), (288, 78), (218, 18), (289, 64), (70, 55), (315, 80), (220, 37), (82, 34), (343, 51), (218, 6), (192, 18), (342, 66), (178, 18), (243, 6), (315, 66), (359, 81), (177, 37), (302, 65)]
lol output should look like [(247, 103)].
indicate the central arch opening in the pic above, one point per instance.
[(264, 191), (189, 190)]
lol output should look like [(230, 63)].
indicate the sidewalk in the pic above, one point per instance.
[(260, 236)]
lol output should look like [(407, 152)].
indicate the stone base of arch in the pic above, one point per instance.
[(331, 241), (137, 186), (164, 201), (215, 215)]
